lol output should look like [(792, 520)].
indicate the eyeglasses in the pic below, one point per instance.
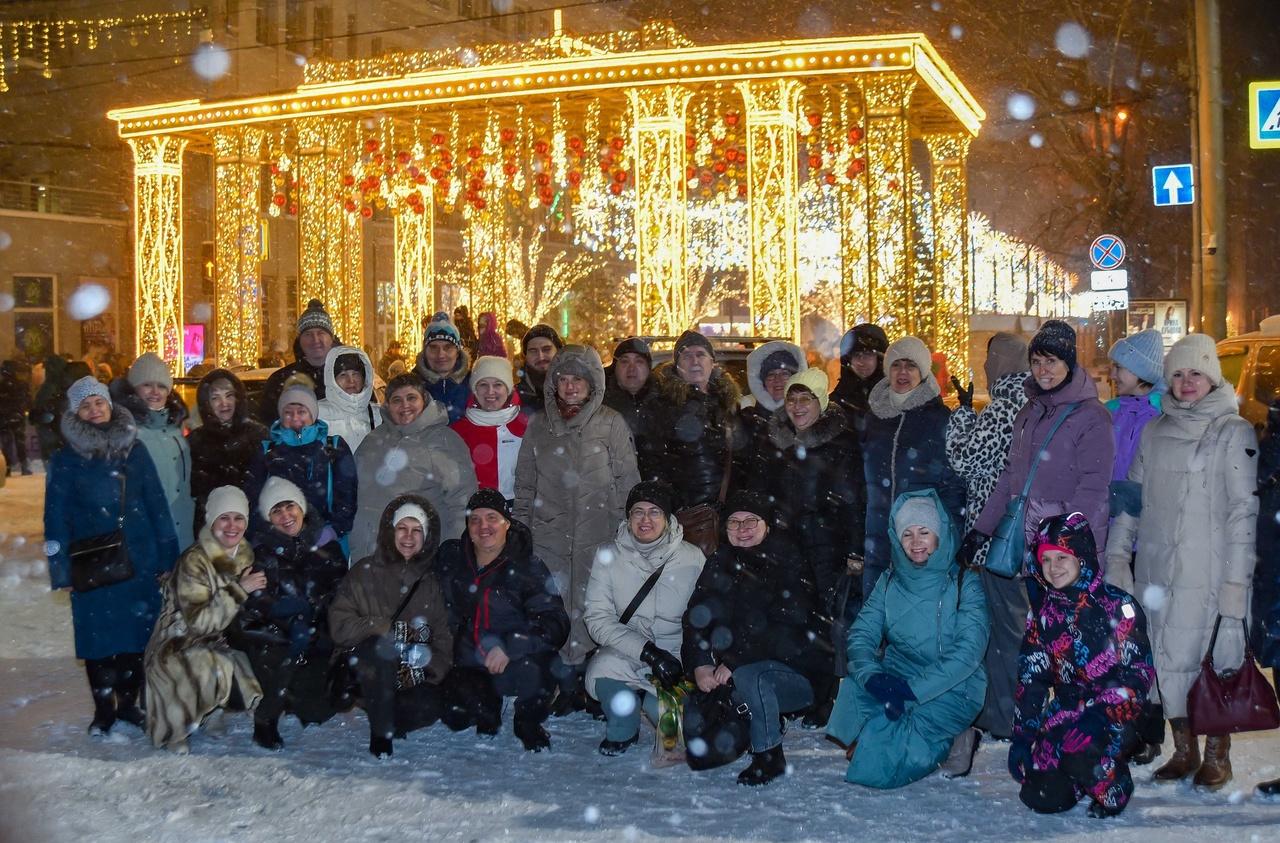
[(801, 399), (742, 523), (650, 514)]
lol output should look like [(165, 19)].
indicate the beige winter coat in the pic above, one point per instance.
[(572, 482), (1195, 537), (621, 568), (190, 667)]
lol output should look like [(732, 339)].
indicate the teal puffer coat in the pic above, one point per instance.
[(933, 625)]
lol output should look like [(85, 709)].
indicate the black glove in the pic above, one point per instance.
[(964, 396), (666, 667), (1019, 760), (969, 547)]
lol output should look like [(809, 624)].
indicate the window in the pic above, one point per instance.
[(353, 44), (1266, 379), (268, 22), (322, 31), (295, 23), (1232, 362), (232, 24)]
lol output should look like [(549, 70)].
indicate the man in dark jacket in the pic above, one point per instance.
[(315, 338), (861, 367), (509, 621), (628, 382), (15, 401), (538, 347), (50, 400), (689, 424)]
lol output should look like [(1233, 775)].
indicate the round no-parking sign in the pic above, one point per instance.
[(1107, 252)]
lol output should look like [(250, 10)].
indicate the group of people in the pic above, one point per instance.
[(583, 538)]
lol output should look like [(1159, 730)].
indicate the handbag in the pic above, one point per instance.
[(1007, 550), (717, 729), (701, 523), (343, 678), (1234, 700), (101, 560)]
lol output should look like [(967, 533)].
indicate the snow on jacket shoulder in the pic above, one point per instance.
[(349, 416), (620, 570)]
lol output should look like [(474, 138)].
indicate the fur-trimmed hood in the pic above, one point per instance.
[(830, 424), (122, 394), (581, 359), (207, 418), (335, 395), (756, 359), (385, 552), (461, 368), (674, 390), (112, 441), (882, 404)]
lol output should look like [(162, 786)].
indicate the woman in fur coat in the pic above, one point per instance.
[(101, 481), (191, 670)]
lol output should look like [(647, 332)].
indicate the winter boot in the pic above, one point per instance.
[(267, 734), (960, 760), (614, 748), (764, 768), (824, 699), (380, 747), (1216, 769), (1271, 788), (1186, 753), (1144, 753), (129, 676), (1101, 812), (531, 734), (102, 677)]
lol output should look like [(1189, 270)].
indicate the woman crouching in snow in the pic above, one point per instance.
[(191, 670), (1087, 645), (902, 705)]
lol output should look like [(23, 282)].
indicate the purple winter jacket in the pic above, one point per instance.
[(1074, 475), (1129, 415)]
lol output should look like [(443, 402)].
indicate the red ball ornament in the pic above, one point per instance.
[(510, 169), (349, 205), (856, 135), (293, 210), (815, 162), (731, 119), (815, 119), (366, 212), (542, 179), (720, 167), (742, 191), (575, 178), (706, 177), (690, 173), (540, 147), (403, 158), (858, 166), (690, 142), (830, 178), (437, 139), (731, 154), (617, 143), (278, 200), (348, 180), (615, 189), (575, 143), (437, 173), (507, 135), (620, 176), (474, 152), (479, 203), (371, 145)]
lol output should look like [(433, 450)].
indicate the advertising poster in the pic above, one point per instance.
[(1168, 316)]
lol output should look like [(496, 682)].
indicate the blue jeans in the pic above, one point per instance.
[(769, 689), (620, 726)]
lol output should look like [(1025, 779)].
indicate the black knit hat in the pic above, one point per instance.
[(656, 492), (634, 345), (348, 363), (692, 338), (780, 359), (1055, 338), (543, 330), (489, 499), (864, 337), (744, 501), (315, 317)]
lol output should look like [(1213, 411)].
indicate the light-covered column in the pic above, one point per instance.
[(330, 245), (237, 331), (951, 305), (663, 306), (415, 269), (891, 238), (157, 245), (773, 202)]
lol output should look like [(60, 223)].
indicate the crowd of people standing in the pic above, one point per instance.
[(585, 538)]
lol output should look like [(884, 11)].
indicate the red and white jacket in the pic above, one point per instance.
[(494, 437)]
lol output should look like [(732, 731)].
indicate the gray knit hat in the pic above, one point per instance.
[(150, 368), (83, 388), (917, 512), (1143, 354), (315, 317)]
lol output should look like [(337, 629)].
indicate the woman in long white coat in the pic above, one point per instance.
[(1197, 465)]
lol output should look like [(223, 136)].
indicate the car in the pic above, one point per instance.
[(1251, 362), (254, 380), (731, 353)]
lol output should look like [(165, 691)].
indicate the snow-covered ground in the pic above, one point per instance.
[(57, 784)]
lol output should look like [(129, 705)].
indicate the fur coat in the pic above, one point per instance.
[(191, 669)]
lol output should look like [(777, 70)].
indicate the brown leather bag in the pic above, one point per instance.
[(1233, 701), (701, 523)]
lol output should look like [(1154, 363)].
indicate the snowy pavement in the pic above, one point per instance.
[(57, 784)]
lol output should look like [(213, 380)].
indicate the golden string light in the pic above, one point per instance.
[(157, 192), (238, 257)]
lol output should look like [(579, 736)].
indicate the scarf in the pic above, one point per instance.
[(492, 418), (568, 411)]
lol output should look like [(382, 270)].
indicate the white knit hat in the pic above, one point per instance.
[(150, 368), (83, 388), (492, 367), (276, 491), (411, 510), (223, 500)]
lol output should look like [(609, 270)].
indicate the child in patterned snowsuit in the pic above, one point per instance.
[(1087, 643)]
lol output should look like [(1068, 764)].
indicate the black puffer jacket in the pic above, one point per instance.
[(267, 410), (688, 434), (511, 603), (754, 604), (295, 566), (853, 393), (814, 478), (224, 453), (627, 405)]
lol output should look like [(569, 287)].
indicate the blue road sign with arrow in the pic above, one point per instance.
[(1107, 252), (1173, 185)]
